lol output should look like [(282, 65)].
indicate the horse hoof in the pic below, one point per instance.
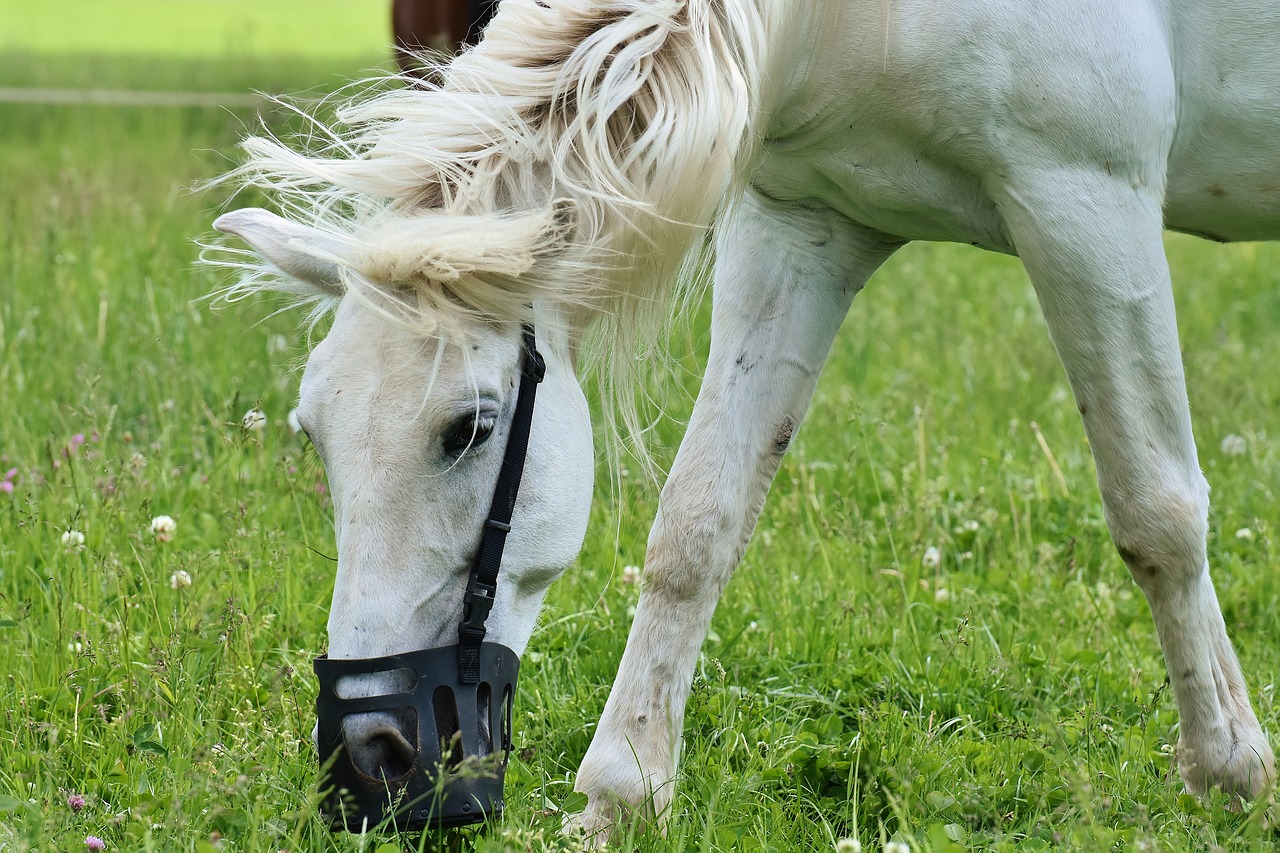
[(589, 825), (1242, 766)]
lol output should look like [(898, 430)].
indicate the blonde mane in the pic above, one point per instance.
[(576, 155)]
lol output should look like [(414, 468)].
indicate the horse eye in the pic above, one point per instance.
[(468, 433)]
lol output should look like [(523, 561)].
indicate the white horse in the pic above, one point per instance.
[(572, 161)]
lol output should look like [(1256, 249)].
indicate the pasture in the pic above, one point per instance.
[(931, 640)]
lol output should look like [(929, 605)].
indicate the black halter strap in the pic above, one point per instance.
[(482, 585)]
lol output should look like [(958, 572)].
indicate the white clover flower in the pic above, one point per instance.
[(932, 558), (73, 540), (180, 579), (1233, 445), (941, 594), (630, 574), (848, 845), (972, 526), (254, 420), (163, 527), (896, 847), (1245, 533)]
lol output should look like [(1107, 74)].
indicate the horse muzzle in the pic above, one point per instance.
[(463, 738)]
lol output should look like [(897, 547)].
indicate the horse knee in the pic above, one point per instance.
[(693, 548), (1160, 531)]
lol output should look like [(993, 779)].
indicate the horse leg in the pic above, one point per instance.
[(784, 280), (1092, 244)]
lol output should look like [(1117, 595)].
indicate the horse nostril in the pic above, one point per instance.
[(380, 745)]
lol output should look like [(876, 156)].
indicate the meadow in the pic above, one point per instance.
[(931, 640)]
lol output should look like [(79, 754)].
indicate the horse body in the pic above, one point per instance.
[(1070, 137), (907, 118)]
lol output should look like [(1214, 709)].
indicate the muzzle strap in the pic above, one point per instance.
[(482, 585)]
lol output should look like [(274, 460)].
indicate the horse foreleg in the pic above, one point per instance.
[(785, 277), (1092, 245)]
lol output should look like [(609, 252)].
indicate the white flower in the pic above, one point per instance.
[(180, 579), (941, 594), (1233, 445), (630, 574), (73, 540), (163, 527), (1245, 533), (848, 845), (254, 420), (932, 558), (896, 847)]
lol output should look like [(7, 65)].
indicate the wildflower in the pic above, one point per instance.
[(75, 647), (137, 461), (896, 847), (1233, 445), (180, 579), (941, 594), (1245, 533), (163, 527), (75, 802), (93, 842), (6, 483), (932, 558), (630, 574), (254, 420), (848, 845), (73, 540)]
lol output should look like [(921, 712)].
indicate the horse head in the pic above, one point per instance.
[(412, 427)]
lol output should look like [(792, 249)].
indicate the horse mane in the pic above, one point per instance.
[(575, 155)]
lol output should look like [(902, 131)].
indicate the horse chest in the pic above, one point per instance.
[(889, 186)]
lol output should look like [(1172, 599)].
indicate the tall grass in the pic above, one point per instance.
[(1007, 694)]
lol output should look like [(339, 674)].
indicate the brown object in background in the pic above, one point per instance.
[(436, 25)]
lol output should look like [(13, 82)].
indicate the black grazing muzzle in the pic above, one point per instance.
[(461, 695)]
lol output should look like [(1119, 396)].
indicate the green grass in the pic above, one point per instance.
[(1010, 698)]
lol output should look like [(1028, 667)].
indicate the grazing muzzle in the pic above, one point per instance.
[(459, 706), (463, 738)]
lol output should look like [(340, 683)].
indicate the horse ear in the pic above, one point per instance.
[(306, 254)]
